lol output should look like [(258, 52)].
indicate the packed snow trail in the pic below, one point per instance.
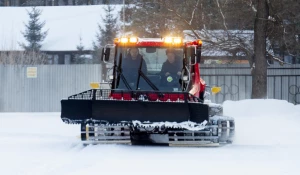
[(267, 142)]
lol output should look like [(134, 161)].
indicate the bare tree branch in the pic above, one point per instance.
[(277, 59), (221, 12), (182, 18), (252, 6), (193, 13), (285, 42)]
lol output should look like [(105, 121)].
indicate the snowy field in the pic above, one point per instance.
[(267, 142)]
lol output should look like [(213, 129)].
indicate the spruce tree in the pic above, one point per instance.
[(80, 47), (79, 58), (105, 35), (33, 32)]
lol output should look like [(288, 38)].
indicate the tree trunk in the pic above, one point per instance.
[(259, 72)]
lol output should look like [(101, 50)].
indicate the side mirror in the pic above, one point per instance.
[(195, 54), (192, 55), (198, 55), (105, 54), (193, 59)]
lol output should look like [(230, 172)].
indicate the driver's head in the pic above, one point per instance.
[(171, 55), (134, 52)]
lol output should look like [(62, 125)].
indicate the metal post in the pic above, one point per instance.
[(123, 17)]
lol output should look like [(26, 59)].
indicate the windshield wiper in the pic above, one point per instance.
[(141, 74), (120, 73)]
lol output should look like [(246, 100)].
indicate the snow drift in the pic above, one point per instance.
[(264, 122)]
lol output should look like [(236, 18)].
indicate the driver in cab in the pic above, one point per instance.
[(172, 66), (131, 65), (133, 61)]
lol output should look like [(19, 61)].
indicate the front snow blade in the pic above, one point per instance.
[(95, 105), (77, 111)]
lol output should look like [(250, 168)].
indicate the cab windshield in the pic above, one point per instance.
[(143, 67)]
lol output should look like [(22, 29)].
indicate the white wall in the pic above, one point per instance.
[(43, 94)]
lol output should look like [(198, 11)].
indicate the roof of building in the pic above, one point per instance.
[(66, 25)]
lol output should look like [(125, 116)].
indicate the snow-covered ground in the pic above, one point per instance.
[(267, 142)]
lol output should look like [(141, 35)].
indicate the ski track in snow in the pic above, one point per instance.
[(267, 142)]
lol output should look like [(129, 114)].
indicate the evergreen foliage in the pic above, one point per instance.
[(80, 58), (106, 34), (33, 32), (80, 47)]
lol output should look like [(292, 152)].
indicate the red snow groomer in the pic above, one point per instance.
[(155, 96)]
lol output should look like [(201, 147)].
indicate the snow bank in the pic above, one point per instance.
[(261, 108), (65, 23), (264, 122)]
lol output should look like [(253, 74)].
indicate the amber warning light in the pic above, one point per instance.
[(172, 40), (125, 40), (199, 42), (196, 42)]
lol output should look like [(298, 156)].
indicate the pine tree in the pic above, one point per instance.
[(79, 58), (80, 47), (106, 34), (33, 32)]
